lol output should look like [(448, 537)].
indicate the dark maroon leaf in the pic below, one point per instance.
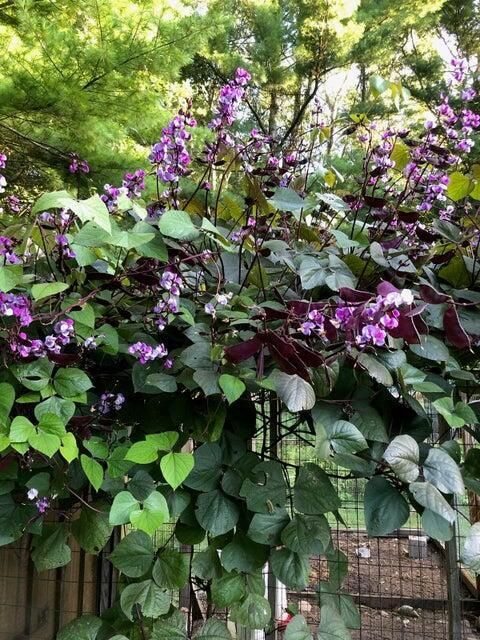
[(420, 324), (431, 295), (283, 352), (372, 201), (384, 288), (330, 330), (310, 357), (409, 217), (64, 359), (416, 311), (244, 350), (353, 295), (302, 307), (406, 329), (454, 331), (425, 235), (442, 258)]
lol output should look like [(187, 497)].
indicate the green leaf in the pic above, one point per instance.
[(10, 277), (84, 316), (93, 470), (313, 492), (50, 550), (254, 612), (431, 348), (216, 513), (471, 549), (459, 186), (265, 528), (154, 513), (46, 289), (133, 555), (172, 628), (385, 508), (207, 470), (164, 441), (34, 375), (298, 629), (7, 398), (232, 387), (265, 487), (21, 429), (92, 530), (290, 568), (45, 443), (141, 485), (207, 381), (228, 589), (60, 407), (123, 505), (332, 626), (430, 497), (378, 85), (176, 467), (213, 630), (242, 554), (83, 628), (307, 534), (71, 382), (52, 424), (68, 447), (403, 455), (312, 272), (162, 381), (344, 437), (371, 424), (288, 200), (171, 569), (443, 472), (435, 526), (294, 391), (92, 209), (153, 601), (375, 369), (143, 452), (178, 225)]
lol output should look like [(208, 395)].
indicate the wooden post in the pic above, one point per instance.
[(451, 561)]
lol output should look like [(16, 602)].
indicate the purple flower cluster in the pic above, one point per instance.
[(220, 300), (134, 183), (109, 402), (171, 283), (3, 164), (170, 155), (16, 306), (76, 165), (230, 96), (63, 246), (63, 332), (13, 203), (245, 231), (42, 504), (366, 323), (459, 69), (146, 353), (6, 251)]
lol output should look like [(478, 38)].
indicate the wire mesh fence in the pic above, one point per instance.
[(401, 583)]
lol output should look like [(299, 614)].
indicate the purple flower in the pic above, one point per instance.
[(42, 505), (110, 196), (146, 353), (6, 250), (134, 183), (372, 334), (171, 281), (17, 306), (468, 94), (64, 246), (459, 68), (3, 161), (13, 203), (109, 401), (76, 165), (170, 154)]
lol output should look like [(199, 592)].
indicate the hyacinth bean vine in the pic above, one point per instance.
[(146, 343)]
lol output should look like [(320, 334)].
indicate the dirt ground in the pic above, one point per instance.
[(390, 576)]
